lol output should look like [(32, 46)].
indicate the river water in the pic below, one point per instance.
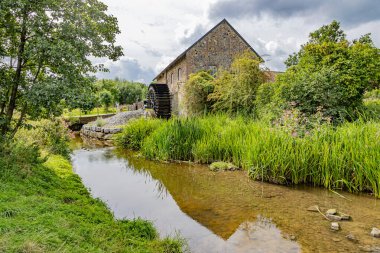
[(224, 211)]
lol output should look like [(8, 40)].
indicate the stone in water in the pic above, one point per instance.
[(335, 226)]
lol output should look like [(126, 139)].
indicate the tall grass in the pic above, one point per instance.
[(344, 157), (135, 132)]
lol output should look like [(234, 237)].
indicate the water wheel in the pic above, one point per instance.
[(158, 99)]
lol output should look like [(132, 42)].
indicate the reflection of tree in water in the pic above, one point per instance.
[(212, 200), (140, 169)]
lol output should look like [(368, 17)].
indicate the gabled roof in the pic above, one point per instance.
[(184, 53)]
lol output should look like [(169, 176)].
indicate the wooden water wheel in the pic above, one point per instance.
[(158, 99)]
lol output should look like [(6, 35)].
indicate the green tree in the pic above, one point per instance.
[(105, 98), (45, 47), (130, 93), (196, 91), (235, 90), (331, 74)]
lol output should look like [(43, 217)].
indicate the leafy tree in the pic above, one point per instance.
[(130, 93), (331, 74), (105, 98), (45, 47), (235, 90), (196, 91)]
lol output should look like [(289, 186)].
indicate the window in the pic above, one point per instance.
[(171, 78), (179, 74)]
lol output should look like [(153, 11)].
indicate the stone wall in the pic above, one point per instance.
[(216, 50)]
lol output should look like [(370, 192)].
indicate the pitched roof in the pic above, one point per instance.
[(184, 53)]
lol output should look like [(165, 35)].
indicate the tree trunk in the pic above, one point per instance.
[(14, 87)]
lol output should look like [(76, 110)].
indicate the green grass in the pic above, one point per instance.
[(135, 132), (342, 157), (95, 111), (44, 207)]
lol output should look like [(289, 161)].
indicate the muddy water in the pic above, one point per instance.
[(224, 211)]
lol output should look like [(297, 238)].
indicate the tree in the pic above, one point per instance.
[(105, 98), (331, 74), (45, 47), (235, 90), (196, 91)]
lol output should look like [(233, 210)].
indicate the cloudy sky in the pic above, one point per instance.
[(153, 33)]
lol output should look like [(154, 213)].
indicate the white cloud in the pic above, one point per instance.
[(153, 33)]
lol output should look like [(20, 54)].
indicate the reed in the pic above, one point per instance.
[(342, 157)]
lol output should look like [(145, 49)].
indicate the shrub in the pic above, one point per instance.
[(331, 73), (235, 90), (196, 91), (49, 135), (105, 98)]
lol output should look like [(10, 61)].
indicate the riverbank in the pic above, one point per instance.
[(342, 157), (45, 207)]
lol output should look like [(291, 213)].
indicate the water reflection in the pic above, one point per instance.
[(220, 212)]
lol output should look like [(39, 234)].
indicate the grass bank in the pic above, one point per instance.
[(44, 207), (343, 157)]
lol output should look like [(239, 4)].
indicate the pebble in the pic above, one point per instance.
[(335, 226), (351, 238), (375, 232), (314, 208), (333, 217), (331, 211)]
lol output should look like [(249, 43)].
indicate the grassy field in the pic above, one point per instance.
[(342, 157), (44, 207), (95, 111)]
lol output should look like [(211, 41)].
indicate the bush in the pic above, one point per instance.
[(235, 90), (17, 156), (331, 74), (105, 98), (49, 135), (135, 132), (196, 91)]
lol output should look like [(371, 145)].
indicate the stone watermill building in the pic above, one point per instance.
[(216, 49)]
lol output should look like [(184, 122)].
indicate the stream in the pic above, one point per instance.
[(224, 211)]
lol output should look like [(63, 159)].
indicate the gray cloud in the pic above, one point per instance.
[(128, 69), (189, 37), (349, 12), (148, 49)]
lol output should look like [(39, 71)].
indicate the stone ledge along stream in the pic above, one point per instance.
[(225, 211)]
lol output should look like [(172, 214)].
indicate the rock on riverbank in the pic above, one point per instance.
[(104, 129)]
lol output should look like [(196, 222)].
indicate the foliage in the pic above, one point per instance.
[(135, 132), (48, 135), (338, 157), (44, 56), (105, 99), (196, 90), (174, 140), (373, 94), (330, 73), (123, 92), (49, 210), (235, 90)]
